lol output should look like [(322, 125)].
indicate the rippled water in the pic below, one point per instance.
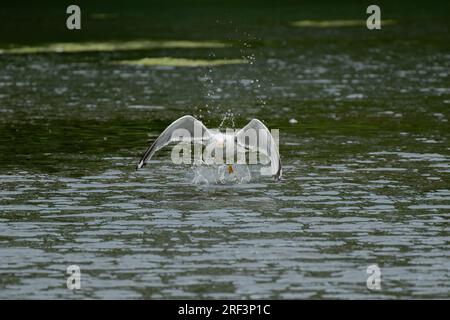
[(364, 141)]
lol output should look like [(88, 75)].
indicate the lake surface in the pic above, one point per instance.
[(366, 161)]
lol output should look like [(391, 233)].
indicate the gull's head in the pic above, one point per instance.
[(220, 141)]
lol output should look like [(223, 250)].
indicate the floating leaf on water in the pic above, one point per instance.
[(113, 46), (181, 62), (336, 23)]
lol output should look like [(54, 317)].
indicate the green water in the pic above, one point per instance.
[(366, 165)]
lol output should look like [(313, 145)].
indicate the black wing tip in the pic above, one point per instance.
[(279, 174), (140, 165)]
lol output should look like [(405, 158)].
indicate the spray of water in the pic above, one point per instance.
[(221, 175), (213, 92)]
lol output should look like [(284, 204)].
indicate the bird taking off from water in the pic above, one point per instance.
[(254, 137)]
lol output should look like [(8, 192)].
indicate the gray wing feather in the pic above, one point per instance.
[(268, 147), (188, 123)]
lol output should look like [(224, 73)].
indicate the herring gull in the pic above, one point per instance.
[(196, 132)]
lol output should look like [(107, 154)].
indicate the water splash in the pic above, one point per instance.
[(222, 175), (227, 119)]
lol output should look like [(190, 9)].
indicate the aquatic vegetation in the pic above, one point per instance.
[(336, 23), (113, 46), (181, 62)]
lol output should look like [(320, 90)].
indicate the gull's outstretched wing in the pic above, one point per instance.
[(264, 143), (187, 123)]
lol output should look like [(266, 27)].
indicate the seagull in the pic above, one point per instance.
[(264, 143)]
